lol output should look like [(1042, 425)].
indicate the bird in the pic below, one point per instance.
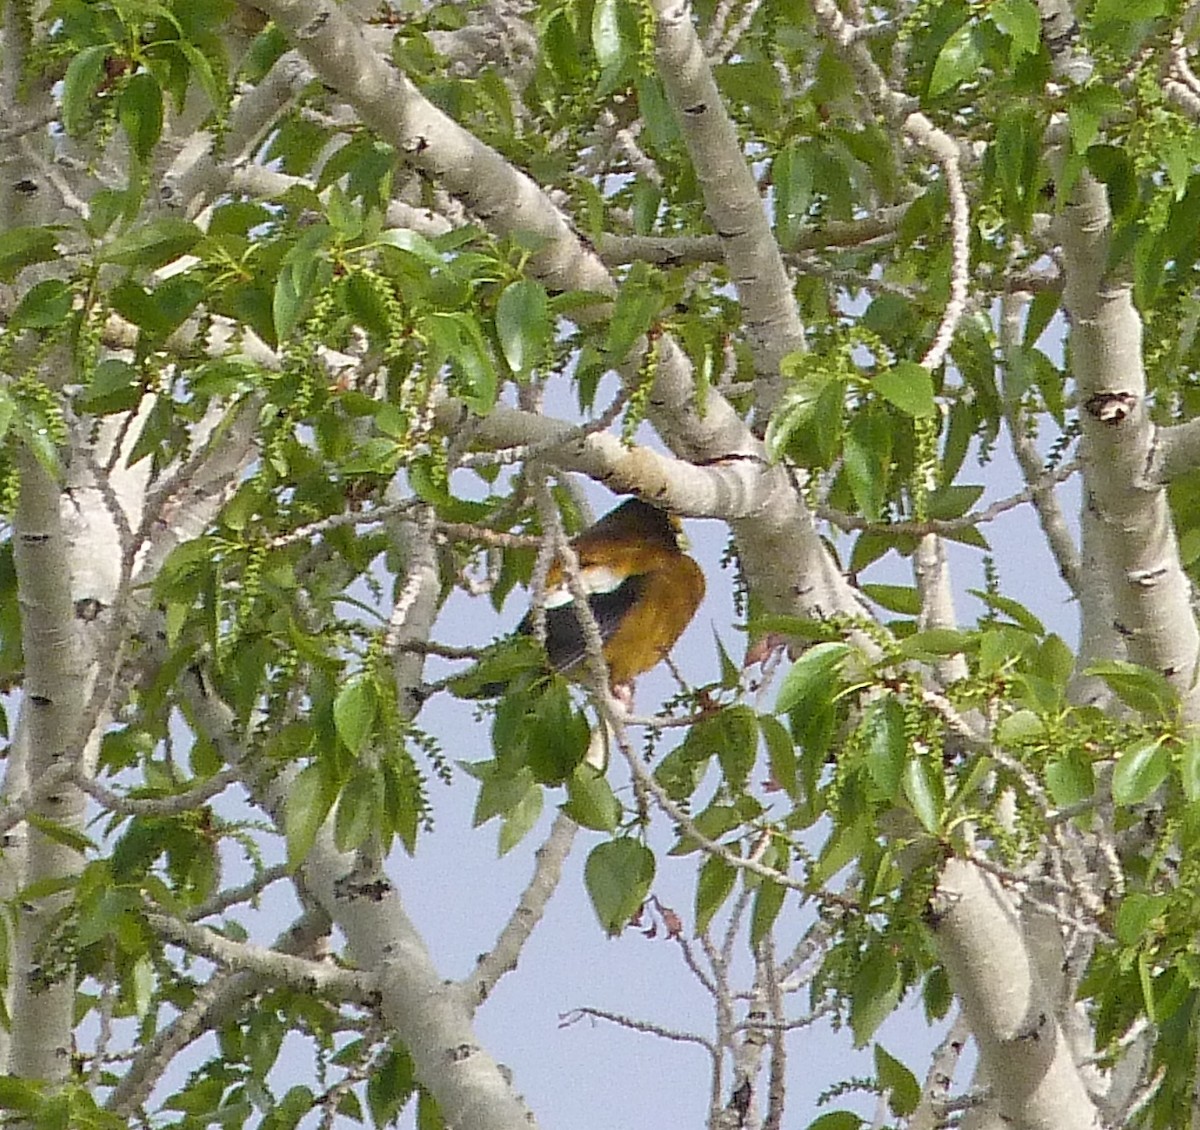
[(642, 588)]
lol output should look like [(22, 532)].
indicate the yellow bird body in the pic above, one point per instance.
[(642, 588)]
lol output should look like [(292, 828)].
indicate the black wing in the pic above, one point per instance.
[(565, 644)]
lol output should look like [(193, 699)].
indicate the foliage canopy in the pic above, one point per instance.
[(313, 317)]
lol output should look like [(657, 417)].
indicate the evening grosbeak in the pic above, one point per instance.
[(643, 591), (642, 588)]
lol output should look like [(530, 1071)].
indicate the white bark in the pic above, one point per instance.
[(43, 988), (731, 197), (1136, 549), (1025, 1055)]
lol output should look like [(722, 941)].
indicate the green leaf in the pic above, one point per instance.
[(523, 324), (618, 875), (1002, 647), (730, 672), (462, 341), (737, 744), (79, 85), (887, 746), (359, 810), (304, 268), (389, 1087), (607, 41), (754, 84), (22, 1095), (1139, 771), (952, 501), (875, 991), (808, 421), (904, 1092), (909, 387), (1114, 166), (713, 823), (680, 771), (354, 711), (47, 304), (414, 243), (202, 71), (814, 674), (959, 59), (768, 902), (792, 180), (140, 112), (1012, 609), (31, 425), (21, 247), (837, 1120), (713, 887), (61, 834), (158, 312), (1070, 779), (1037, 694), (638, 304), (867, 452), (7, 410), (1086, 112), (1145, 966), (1136, 916), (591, 802), (1140, 688), (429, 1114), (176, 298), (936, 642), (936, 994), (1055, 661), (1020, 727), (557, 736), (308, 803), (781, 754), (500, 792), (924, 793), (56, 884), (520, 818), (799, 627), (1127, 11), (115, 386), (497, 669), (1019, 20), (1189, 765), (153, 244), (895, 598), (1044, 306)]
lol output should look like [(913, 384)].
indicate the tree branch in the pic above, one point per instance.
[(1174, 451), (430, 1016), (1026, 1057), (320, 977), (212, 1006), (769, 314), (1135, 535), (502, 958), (51, 708)]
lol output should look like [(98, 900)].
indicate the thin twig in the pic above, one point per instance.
[(222, 901), (851, 522), (157, 806), (301, 973), (502, 958), (569, 1019)]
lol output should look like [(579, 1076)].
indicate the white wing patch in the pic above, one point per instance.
[(593, 579)]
